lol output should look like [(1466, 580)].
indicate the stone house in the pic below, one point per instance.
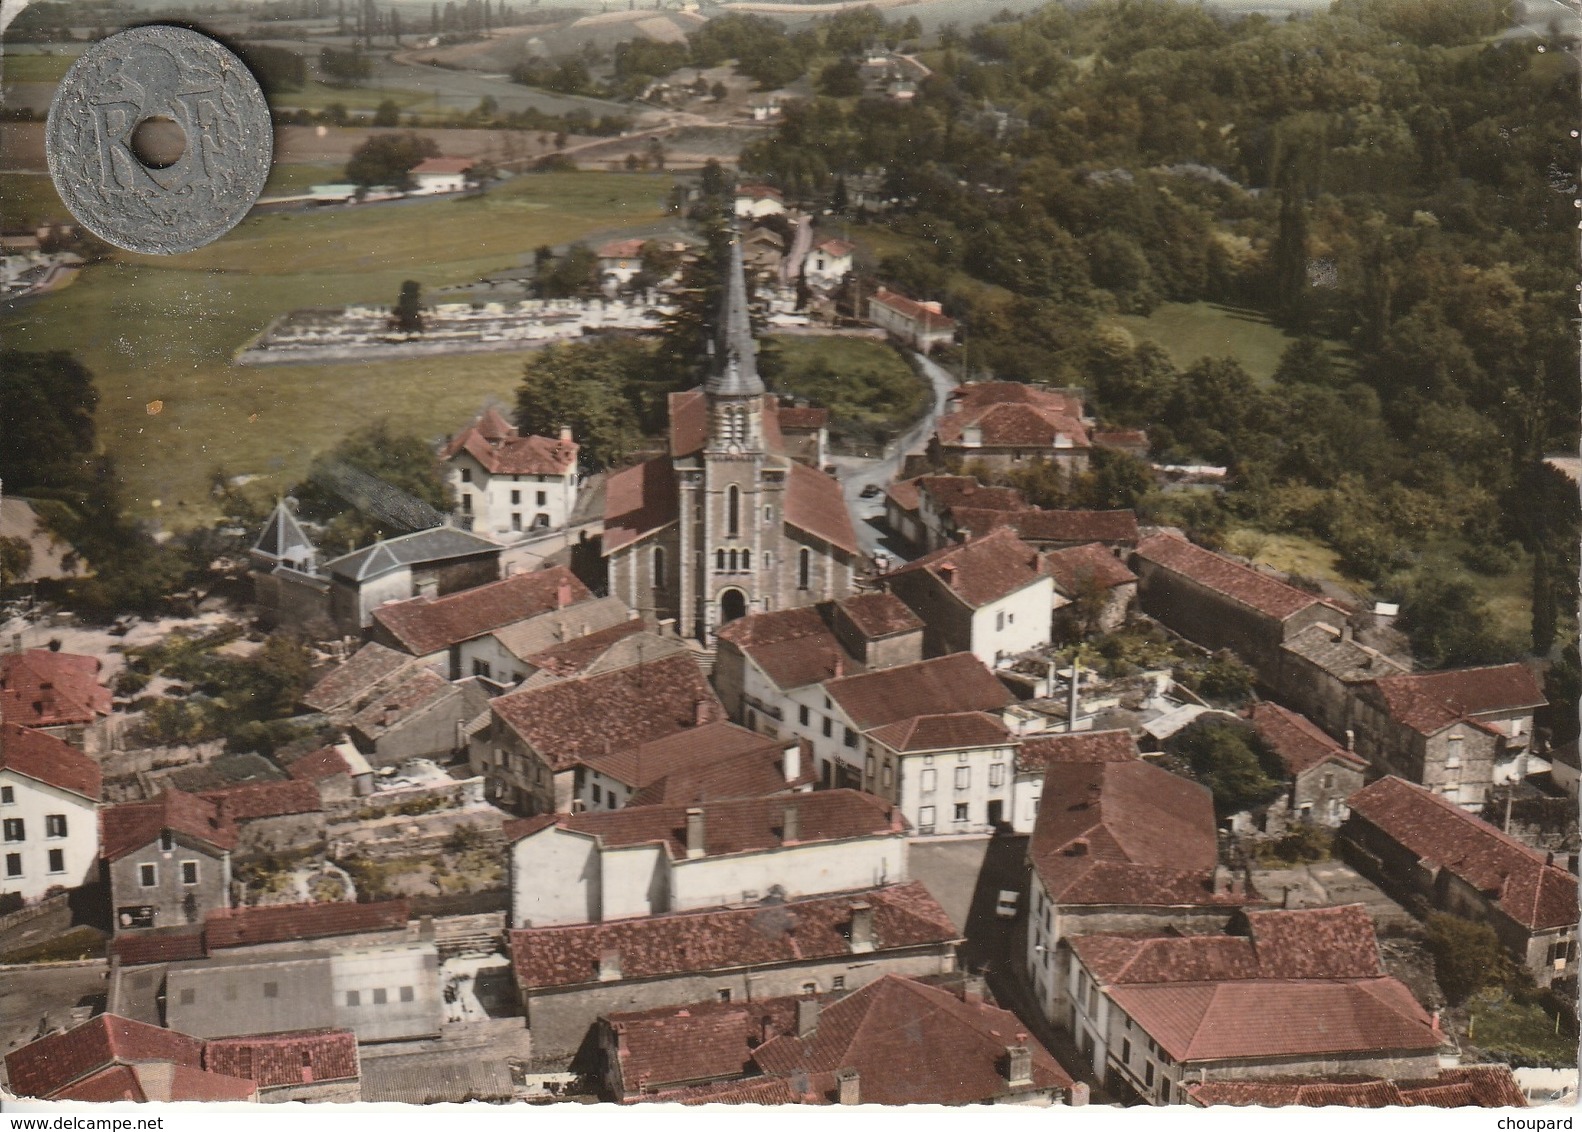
[(169, 860), (568, 976), (1094, 591), (109, 1058), (507, 484), (49, 819), (828, 263), (1322, 670), (302, 1065), (345, 690), (1220, 604), (1290, 993), (1456, 732), (1047, 530), (923, 326), (422, 716), (57, 693), (1005, 424), (1036, 753), (895, 1041), (504, 655), (1320, 774), (428, 563), (804, 430), (272, 818), (989, 597), (650, 860), (339, 773), (606, 650), (1417, 843), (288, 588), (930, 503)]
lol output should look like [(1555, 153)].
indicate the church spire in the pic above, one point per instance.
[(733, 371)]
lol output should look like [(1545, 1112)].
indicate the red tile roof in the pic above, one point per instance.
[(296, 1057), (157, 1081), (1038, 752), (794, 647), (1275, 1018), (1121, 438), (1077, 567), (674, 1046), (1534, 893), (1240, 583), (690, 749), (1484, 1086), (42, 1068), (803, 417), (584, 719), (139, 950), (40, 688), (253, 800), (129, 826), (621, 249), (444, 165), (950, 492), (1299, 742), (243, 927), (981, 571), (354, 676), (753, 774), (518, 455), (417, 691), (427, 625), (47, 759), (879, 614), (1428, 702), (1038, 526), (759, 192), (944, 685), (904, 493), (904, 916), (957, 731), (1014, 426), (836, 248), (753, 1091), (688, 414), (912, 310), (1125, 833), (569, 658), (979, 394), (638, 501), (814, 503), (326, 762)]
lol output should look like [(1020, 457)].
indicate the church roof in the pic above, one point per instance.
[(734, 369), (814, 503), (638, 501)]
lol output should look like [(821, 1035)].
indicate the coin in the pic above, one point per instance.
[(159, 140)]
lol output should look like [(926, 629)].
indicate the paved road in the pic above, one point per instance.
[(856, 473)]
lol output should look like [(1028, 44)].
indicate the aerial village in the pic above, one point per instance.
[(667, 784)]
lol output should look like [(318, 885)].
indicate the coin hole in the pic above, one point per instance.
[(158, 142)]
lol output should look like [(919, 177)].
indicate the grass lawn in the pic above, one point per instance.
[(1526, 1034), (157, 329), (872, 393), (1294, 554), (315, 95), (27, 199), (291, 180), (35, 67), (1189, 331)]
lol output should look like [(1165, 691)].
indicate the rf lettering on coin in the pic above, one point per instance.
[(216, 133)]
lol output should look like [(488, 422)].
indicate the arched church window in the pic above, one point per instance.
[(719, 560)]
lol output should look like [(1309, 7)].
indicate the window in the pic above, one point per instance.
[(961, 811), (829, 728), (466, 475), (850, 738), (925, 818), (54, 825), (719, 561), (1126, 1050), (189, 872), (167, 842), (802, 714), (609, 800), (7, 795), (1148, 1074), (997, 774), (354, 998), (598, 795), (1562, 953), (889, 773), (380, 998), (926, 783), (15, 829), (516, 498), (804, 568), (481, 668), (733, 510), (1329, 781), (406, 994), (148, 875), (999, 621), (516, 520), (769, 514), (466, 503), (1453, 753), (809, 988), (13, 864), (271, 990), (57, 860), (658, 559), (963, 777), (542, 500), (871, 764), (723, 994), (838, 982)]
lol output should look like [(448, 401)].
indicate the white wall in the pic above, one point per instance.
[(494, 511), (1016, 623), (976, 766), (633, 881), (802, 870), (555, 879), (409, 968), (33, 803), (504, 666)]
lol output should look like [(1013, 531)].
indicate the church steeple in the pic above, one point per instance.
[(733, 369)]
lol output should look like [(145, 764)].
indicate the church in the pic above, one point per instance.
[(727, 523)]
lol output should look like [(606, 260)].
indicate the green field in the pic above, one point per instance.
[(870, 390), (315, 95), (157, 329), (1190, 331), (35, 67), (292, 180)]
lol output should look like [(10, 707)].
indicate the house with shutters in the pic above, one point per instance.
[(650, 860), (1320, 774), (49, 821), (828, 263), (169, 860), (1421, 846), (507, 485), (1005, 424)]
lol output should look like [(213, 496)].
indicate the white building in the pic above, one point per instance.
[(923, 326), (507, 485), (442, 175), (754, 201), (951, 773), (828, 263), (647, 860), (49, 825)]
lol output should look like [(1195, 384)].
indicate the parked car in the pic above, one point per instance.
[(1005, 906)]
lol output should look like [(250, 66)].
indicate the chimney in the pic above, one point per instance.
[(563, 594), (694, 832), (789, 830), (791, 761), (1221, 878), (972, 990), (1018, 1065), (848, 1085), (565, 434), (702, 712), (806, 1017), (840, 665), (861, 928), (1078, 1096), (610, 965), (1351, 739), (947, 570), (1346, 631)]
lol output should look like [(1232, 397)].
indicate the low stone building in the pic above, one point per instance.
[(1094, 591), (301, 1065), (1321, 672), (169, 860), (569, 976), (1048, 530), (421, 716), (272, 818), (1418, 844), (921, 325), (109, 1058), (1320, 773)]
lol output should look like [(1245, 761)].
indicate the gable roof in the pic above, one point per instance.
[(43, 1068), (1520, 881), (674, 1046), (755, 773), (425, 625), (47, 759), (536, 634), (443, 165), (295, 1057), (904, 916), (506, 453), (41, 688), (436, 544), (326, 762), (1428, 702), (1298, 742), (573, 657), (276, 923), (1076, 567), (693, 749), (835, 247), (157, 1081), (1241, 584), (959, 682), (793, 647), (250, 801), (355, 676), (582, 719), (1482, 1086), (1014, 426), (955, 731), (912, 310), (814, 503), (1340, 655), (129, 826), (638, 501), (879, 614), (621, 249), (802, 418), (398, 702), (982, 570), (1038, 752), (1038, 525), (950, 492)]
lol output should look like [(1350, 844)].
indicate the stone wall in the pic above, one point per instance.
[(274, 836)]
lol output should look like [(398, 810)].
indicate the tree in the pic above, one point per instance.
[(374, 483), (575, 274), (16, 559), (841, 79), (1450, 624), (341, 68), (1468, 956), (388, 113), (583, 385), (387, 159), (1230, 759), (408, 313)]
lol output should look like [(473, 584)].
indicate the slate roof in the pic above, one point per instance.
[(277, 923), (1479, 1086), (283, 535), (355, 676), (253, 800), (1077, 566), (581, 720), (1532, 892), (295, 1057), (981, 571), (1038, 525), (44, 1067), (879, 614), (1299, 743), (733, 363), (536, 634), (415, 693), (427, 625), (814, 503), (693, 749), (1125, 833), (1038, 752), (956, 731), (904, 916), (638, 501), (1345, 659), (944, 685), (1428, 702), (47, 759), (40, 688), (436, 544), (129, 826), (1241, 584), (744, 825)]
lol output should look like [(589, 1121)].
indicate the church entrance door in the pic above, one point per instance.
[(733, 604)]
